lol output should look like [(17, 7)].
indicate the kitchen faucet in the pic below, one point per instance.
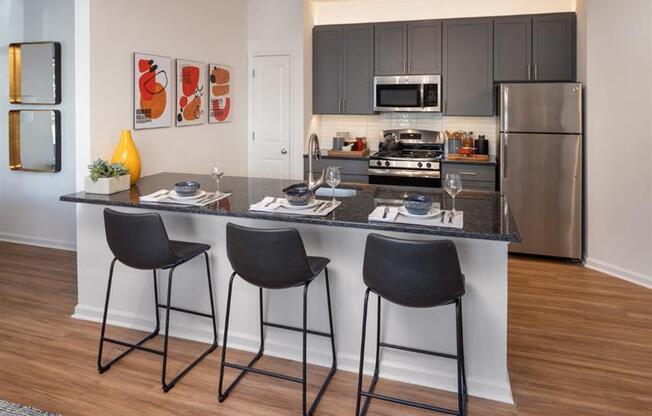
[(313, 152)]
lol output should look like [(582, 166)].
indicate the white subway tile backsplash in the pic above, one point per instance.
[(372, 126)]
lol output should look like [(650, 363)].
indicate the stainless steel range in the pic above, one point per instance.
[(408, 157)]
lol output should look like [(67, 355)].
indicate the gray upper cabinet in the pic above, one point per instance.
[(424, 47), (513, 48), (358, 74), (343, 69), (468, 67), (327, 70), (553, 47), (390, 52), (408, 48)]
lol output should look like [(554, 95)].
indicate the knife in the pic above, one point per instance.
[(323, 206), (385, 212)]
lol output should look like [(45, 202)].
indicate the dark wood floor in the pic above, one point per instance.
[(580, 343)]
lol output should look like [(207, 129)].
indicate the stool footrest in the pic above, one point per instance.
[(409, 403), (177, 309), (263, 372), (137, 346), (293, 328), (418, 351)]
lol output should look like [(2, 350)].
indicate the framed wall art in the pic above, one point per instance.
[(191, 93), (219, 103), (152, 91)]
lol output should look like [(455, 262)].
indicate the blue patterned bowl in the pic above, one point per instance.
[(298, 194), (417, 204), (186, 188)]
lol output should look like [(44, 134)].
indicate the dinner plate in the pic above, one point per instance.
[(174, 195), (286, 204), (434, 211)]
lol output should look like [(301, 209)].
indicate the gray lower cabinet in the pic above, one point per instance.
[(352, 170), (474, 177), (343, 69), (468, 67), (553, 47), (513, 48)]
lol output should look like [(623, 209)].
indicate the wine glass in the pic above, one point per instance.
[(333, 178), (453, 186), (217, 172)]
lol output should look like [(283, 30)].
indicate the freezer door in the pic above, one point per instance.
[(541, 177), (541, 108)]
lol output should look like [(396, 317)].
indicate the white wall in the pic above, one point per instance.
[(212, 31), (619, 137), (358, 11), (30, 211), (278, 27)]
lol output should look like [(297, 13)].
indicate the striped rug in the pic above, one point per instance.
[(12, 409)]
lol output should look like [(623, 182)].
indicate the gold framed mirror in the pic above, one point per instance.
[(35, 140), (35, 73)]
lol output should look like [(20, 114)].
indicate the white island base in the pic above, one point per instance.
[(483, 262)]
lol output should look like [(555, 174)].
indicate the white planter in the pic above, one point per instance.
[(107, 185)]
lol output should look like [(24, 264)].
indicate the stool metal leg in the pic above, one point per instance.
[(364, 336), (101, 368), (223, 394), (210, 295), (461, 377)]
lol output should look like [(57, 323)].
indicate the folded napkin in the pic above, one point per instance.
[(268, 204), (155, 196), (377, 214)]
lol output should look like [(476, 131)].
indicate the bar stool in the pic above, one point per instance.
[(140, 241), (274, 259), (416, 274)]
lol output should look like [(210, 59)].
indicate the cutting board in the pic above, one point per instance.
[(350, 153), (470, 158)]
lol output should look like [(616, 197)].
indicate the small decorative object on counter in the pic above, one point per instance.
[(127, 154), (417, 204), (338, 142), (454, 141), (186, 188), (106, 178), (298, 194), (482, 145), (360, 144)]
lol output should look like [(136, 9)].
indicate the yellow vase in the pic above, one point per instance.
[(127, 153)]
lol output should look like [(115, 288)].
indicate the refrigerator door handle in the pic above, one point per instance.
[(503, 155)]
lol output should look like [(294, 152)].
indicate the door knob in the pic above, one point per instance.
[(284, 151)]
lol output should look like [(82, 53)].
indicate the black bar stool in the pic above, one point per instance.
[(417, 274), (141, 242), (274, 259)]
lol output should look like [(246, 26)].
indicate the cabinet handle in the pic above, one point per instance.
[(339, 105), (468, 173), (409, 65), (404, 65), (536, 72), (343, 105), (529, 72)]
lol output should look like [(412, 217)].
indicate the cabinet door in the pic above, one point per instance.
[(327, 70), (513, 48), (357, 92), (424, 47), (468, 67), (390, 51), (553, 46)]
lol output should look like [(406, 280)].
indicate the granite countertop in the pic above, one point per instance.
[(486, 215), (491, 162)]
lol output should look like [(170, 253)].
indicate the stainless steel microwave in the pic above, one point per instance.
[(405, 93)]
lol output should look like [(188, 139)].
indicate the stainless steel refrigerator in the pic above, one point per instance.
[(541, 165)]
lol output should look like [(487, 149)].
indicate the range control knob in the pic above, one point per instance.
[(387, 164), (420, 164), (379, 163), (428, 165)]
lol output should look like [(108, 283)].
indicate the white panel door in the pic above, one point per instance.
[(271, 117)]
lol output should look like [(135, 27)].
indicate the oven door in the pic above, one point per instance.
[(405, 177), (398, 97)]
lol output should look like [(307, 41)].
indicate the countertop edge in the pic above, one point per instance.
[(390, 227)]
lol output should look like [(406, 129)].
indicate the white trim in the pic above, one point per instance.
[(346, 362), (82, 90), (619, 272), (37, 241)]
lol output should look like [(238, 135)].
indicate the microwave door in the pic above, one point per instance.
[(398, 97)]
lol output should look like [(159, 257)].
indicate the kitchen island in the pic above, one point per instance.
[(482, 245)]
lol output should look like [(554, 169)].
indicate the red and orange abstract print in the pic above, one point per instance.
[(190, 93), (220, 94), (151, 91)]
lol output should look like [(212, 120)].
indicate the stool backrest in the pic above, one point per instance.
[(138, 240), (413, 273), (271, 259)]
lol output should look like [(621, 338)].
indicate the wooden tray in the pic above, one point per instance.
[(351, 153), (470, 158)]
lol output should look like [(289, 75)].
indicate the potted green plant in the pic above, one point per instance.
[(106, 178)]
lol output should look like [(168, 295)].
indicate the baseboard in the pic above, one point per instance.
[(40, 242), (619, 272), (274, 347)]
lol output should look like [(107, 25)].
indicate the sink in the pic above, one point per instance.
[(339, 192)]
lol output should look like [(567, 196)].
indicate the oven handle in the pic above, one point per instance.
[(405, 173)]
